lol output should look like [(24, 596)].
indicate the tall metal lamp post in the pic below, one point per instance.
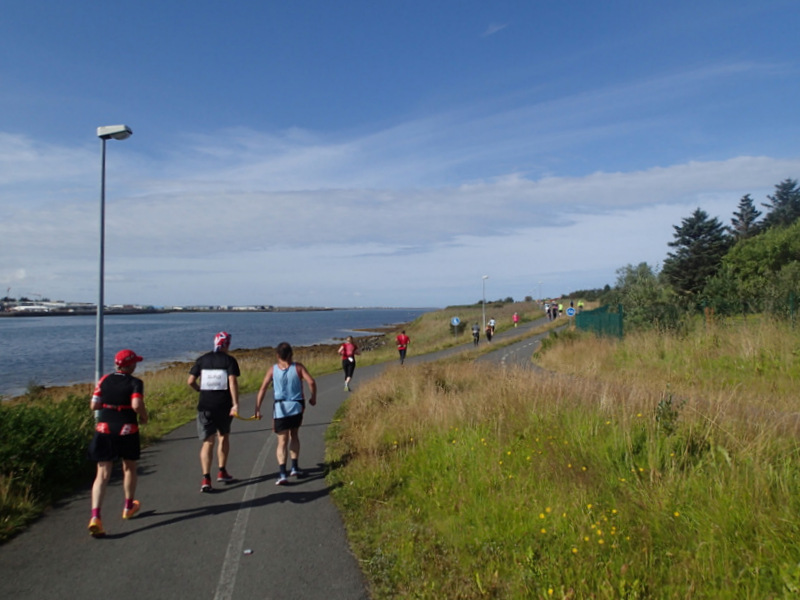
[(108, 132), (483, 305)]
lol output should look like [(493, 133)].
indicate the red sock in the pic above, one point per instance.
[(96, 513), (129, 503)]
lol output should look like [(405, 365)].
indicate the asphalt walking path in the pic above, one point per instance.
[(248, 539)]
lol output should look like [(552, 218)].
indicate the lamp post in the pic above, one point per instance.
[(540, 292), (483, 304), (108, 132)]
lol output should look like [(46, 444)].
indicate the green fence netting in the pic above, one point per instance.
[(601, 321)]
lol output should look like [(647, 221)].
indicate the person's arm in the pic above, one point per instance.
[(139, 408), (262, 391), (192, 383), (97, 397), (233, 386), (96, 402), (312, 384)]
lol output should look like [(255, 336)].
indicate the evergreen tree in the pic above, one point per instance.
[(744, 223), (784, 206), (700, 243)]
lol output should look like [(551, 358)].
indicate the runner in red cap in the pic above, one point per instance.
[(118, 400)]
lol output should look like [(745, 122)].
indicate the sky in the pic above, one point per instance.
[(392, 153)]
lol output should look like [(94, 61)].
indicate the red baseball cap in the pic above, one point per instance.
[(124, 358)]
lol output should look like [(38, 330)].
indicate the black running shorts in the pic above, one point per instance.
[(210, 422), (287, 423), (109, 447)]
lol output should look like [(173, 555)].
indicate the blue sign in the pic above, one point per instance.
[(455, 321), (570, 312)]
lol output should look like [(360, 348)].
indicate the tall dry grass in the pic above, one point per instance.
[(752, 360), (616, 479)]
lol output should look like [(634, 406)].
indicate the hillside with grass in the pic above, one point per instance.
[(658, 466)]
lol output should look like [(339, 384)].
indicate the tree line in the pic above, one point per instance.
[(750, 265)]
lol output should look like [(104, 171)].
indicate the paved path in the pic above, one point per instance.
[(249, 539)]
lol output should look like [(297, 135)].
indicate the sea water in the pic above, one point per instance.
[(59, 350)]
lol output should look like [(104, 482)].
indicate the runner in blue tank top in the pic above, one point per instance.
[(288, 406)]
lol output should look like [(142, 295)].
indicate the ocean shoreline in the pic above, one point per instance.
[(366, 343), (157, 311), (51, 352)]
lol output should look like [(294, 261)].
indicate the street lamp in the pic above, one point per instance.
[(483, 305), (108, 132)]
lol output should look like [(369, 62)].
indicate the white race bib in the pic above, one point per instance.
[(214, 379)]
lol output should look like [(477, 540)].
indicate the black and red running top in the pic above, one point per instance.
[(113, 397)]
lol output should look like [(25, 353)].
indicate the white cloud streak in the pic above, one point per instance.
[(494, 28)]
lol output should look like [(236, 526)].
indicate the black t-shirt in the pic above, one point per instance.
[(213, 369), (115, 392)]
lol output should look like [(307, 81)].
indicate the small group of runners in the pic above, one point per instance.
[(349, 350), (118, 402), (554, 310), (488, 331)]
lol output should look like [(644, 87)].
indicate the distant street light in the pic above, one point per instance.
[(540, 292), (109, 132), (483, 305)]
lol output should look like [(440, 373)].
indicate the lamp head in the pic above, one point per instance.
[(114, 132)]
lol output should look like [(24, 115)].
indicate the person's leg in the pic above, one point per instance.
[(206, 431), (294, 443), (350, 366), (222, 450), (100, 484), (98, 493), (129, 478), (206, 454), (294, 451), (280, 449), (280, 454)]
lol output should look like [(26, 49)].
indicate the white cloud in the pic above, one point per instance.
[(494, 28), (188, 245)]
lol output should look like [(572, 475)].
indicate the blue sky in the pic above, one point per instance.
[(380, 153)]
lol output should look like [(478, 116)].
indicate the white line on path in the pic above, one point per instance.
[(227, 577)]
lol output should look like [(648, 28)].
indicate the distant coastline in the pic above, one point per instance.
[(53, 352), (65, 311)]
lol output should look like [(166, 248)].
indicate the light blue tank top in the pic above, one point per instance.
[(288, 388)]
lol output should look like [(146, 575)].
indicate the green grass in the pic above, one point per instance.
[(41, 453), (465, 481)]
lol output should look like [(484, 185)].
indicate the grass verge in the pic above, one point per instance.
[(668, 469)]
